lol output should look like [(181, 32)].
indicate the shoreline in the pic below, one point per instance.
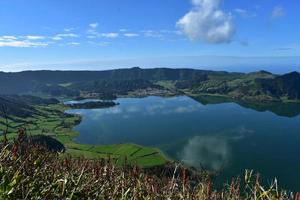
[(101, 150)]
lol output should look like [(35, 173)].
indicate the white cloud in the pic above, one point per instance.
[(34, 37), (92, 34), (64, 35), (277, 12), (131, 35), (24, 43), (110, 35), (93, 25), (57, 38), (8, 38), (207, 23), (123, 30)]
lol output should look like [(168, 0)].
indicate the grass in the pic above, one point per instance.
[(133, 154), (167, 84), (32, 172), (53, 122)]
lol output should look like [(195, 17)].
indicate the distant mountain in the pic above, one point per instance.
[(287, 85), (258, 86), (20, 82), (50, 81), (112, 86), (261, 85)]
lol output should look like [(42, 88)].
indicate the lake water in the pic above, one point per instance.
[(225, 137)]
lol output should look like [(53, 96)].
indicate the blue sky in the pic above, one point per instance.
[(102, 34)]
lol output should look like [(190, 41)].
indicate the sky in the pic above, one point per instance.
[(103, 34)]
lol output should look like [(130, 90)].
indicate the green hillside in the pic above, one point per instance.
[(257, 86), (46, 117)]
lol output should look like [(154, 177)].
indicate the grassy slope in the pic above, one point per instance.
[(56, 124)]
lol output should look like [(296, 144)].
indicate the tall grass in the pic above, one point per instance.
[(28, 171)]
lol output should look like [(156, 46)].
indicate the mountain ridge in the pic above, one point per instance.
[(259, 85)]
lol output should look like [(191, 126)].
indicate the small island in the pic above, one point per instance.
[(93, 105)]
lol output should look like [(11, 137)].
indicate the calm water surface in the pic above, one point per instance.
[(225, 136)]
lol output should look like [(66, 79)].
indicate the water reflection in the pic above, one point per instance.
[(241, 132), (210, 152), (289, 109), (161, 107)]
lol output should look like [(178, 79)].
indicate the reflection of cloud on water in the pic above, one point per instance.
[(95, 114), (164, 109), (178, 105), (126, 116), (133, 109), (241, 132), (187, 109), (211, 152), (154, 109), (114, 110)]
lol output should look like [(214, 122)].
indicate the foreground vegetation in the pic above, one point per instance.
[(30, 171)]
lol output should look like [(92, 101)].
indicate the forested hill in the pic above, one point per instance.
[(261, 85), (22, 82), (22, 106), (116, 74)]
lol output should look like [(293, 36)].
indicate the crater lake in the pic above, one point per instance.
[(226, 137)]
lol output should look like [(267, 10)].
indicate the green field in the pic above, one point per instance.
[(52, 121)]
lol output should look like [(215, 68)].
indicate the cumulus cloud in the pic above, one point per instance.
[(277, 12), (207, 23)]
